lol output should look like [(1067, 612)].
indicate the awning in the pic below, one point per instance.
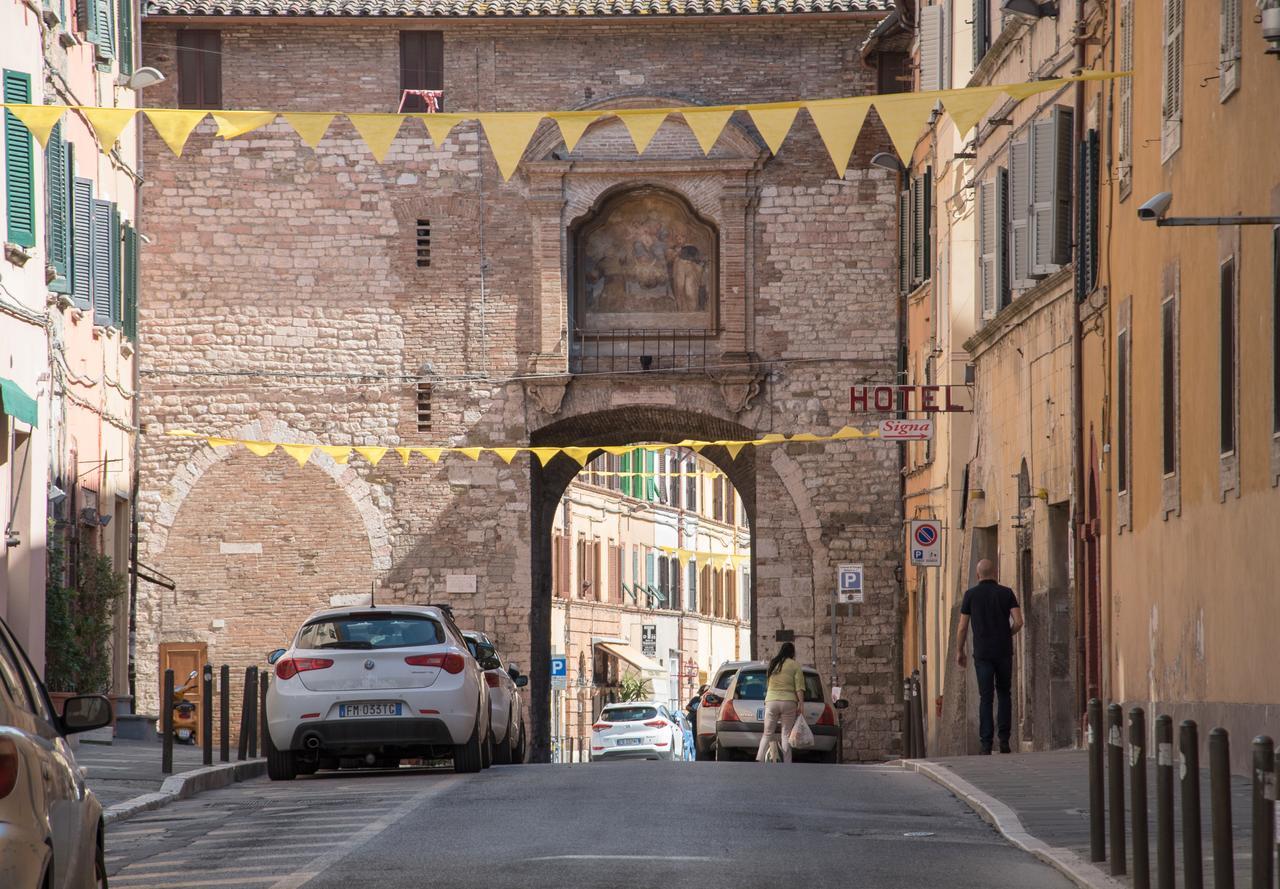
[(634, 658), (16, 403)]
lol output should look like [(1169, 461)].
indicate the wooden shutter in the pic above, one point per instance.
[(421, 66), (125, 12), (87, 14), (1050, 154), (1171, 104), (917, 216), (1019, 206), (624, 469), (82, 243), (1087, 217), (1229, 50), (56, 210), (904, 242), (19, 165), (981, 30), (101, 235), (1124, 150), (105, 37), (130, 320), (987, 238), (1002, 237), (113, 235), (200, 69), (933, 28)]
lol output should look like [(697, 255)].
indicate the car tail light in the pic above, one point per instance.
[(710, 700), (491, 679), (8, 766), (828, 716), (657, 723), (451, 662), (728, 713), (661, 743), (287, 668), (601, 726)]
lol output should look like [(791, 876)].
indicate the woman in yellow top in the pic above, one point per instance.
[(783, 700)]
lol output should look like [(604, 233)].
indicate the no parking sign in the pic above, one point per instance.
[(926, 543)]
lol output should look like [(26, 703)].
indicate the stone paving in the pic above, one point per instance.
[(124, 769)]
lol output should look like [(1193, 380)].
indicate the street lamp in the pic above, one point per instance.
[(1155, 208), (1032, 8), (888, 161)]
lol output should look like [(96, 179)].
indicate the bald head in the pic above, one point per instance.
[(986, 570)]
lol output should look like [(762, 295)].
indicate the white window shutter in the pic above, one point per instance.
[(987, 239), (1171, 104), (1002, 237), (1229, 52), (1051, 156), (932, 47), (904, 242), (1019, 208)]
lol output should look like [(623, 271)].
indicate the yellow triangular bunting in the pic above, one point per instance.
[(439, 126), (642, 125), (573, 124), (733, 447), (905, 116), (616, 450), (771, 437), (378, 131), (839, 121), (174, 125), (237, 123), (847, 432), (807, 436), (339, 453), (774, 122), (432, 454), (966, 107), (373, 455), (544, 455), (221, 442), (707, 124), (40, 119), (1026, 90), (404, 454), (301, 453), (508, 136), (582, 455), (108, 124), (261, 448), (507, 454), (473, 453), (310, 125)]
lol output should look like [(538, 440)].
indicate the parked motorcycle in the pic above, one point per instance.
[(185, 721)]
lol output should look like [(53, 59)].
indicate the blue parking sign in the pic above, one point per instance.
[(559, 666)]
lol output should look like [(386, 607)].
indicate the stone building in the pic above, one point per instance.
[(319, 296)]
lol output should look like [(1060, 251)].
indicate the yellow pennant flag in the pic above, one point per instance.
[(473, 453), (573, 124), (183, 433), (1022, 91), (404, 454), (509, 134), (847, 432), (378, 131), (905, 116), (807, 436), (174, 125), (966, 107), (237, 123), (839, 121), (707, 124), (642, 125), (771, 437), (108, 124), (697, 446), (439, 126), (616, 450), (301, 453), (683, 555), (544, 455), (373, 455), (39, 119), (221, 442), (733, 447), (432, 454), (261, 448), (582, 455), (310, 125), (507, 454), (774, 122), (339, 453)]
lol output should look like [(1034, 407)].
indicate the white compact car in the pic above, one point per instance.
[(377, 684), (637, 730), (506, 710), (740, 720), (51, 830), (709, 706)]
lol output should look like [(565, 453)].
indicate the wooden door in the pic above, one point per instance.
[(182, 658)]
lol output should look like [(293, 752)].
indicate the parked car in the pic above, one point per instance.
[(709, 707), (51, 829), (506, 706), (376, 685), (688, 748), (740, 721), (637, 730)]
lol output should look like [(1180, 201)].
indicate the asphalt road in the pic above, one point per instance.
[(641, 824)]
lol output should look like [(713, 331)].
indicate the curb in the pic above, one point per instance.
[(185, 785), (1071, 865)]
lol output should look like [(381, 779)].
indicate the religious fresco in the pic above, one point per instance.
[(646, 261)]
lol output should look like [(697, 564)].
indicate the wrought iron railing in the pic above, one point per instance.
[(639, 348)]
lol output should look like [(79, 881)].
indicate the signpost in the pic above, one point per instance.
[(926, 543), (559, 671), (849, 591), (649, 640)]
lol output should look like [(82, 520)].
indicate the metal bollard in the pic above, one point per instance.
[(166, 725), (251, 709), (1164, 802), (1264, 794), (206, 714), (1192, 859), (1138, 798), (224, 713), (243, 743), (917, 716), (1115, 786), (262, 712), (1224, 869), (1097, 796), (908, 741)]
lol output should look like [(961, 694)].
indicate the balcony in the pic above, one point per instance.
[(632, 349)]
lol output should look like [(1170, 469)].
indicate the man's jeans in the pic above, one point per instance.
[(993, 676)]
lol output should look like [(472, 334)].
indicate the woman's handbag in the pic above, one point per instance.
[(801, 737)]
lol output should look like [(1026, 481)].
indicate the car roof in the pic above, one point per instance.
[(761, 665), (416, 610), (733, 665)]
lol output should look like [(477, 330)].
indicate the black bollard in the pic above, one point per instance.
[(242, 751), (1264, 792), (1138, 798), (262, 712), (166, 725), (251, 708), (206, 714), (1164, 802), (224, 712), (1224, 855), (1097, 795), (1192, 858), (1115, 786)]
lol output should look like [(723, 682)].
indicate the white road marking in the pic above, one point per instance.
[(625, 858), (233, 881)]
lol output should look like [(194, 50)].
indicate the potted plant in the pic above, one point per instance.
[(78, 624)]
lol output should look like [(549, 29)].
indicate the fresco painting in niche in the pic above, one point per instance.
[(646, 261)]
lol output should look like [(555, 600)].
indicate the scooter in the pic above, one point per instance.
[(184, 710)]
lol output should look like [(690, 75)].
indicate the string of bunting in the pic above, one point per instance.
[(706, 557), (838, 121), (341, 454)]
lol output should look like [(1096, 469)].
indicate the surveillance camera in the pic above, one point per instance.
[(1156, 207)]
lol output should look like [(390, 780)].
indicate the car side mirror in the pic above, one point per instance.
[(842, 704), (275, 655), (522, 681), (84, 713)]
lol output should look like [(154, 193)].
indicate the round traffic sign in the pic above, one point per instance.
[(926, 535)]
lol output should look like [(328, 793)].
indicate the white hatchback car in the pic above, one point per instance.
[(506, 710), (379, 684), (637, 730), (709, 702), (740, 721)]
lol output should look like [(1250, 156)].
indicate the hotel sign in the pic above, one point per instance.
[(886, 399)]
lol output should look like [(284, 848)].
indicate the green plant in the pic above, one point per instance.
[(633, 687), (78, 622)]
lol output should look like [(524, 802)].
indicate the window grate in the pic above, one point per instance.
[(424, 407), (423, 243)]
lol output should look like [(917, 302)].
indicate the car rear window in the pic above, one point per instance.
[(371, 631), (722, 682), (752, 685), (628, 714)]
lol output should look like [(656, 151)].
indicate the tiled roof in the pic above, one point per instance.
[(508, 8)]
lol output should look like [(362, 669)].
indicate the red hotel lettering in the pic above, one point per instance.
[(929, 399), (858, 398), (885, 399)]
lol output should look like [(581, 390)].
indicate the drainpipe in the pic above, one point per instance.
[(1077, 371)]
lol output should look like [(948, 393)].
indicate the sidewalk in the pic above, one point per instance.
[(1041, 802)]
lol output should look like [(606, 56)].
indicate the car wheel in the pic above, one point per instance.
[(486, 752), (828, 756), (704, 754), (518, 755), (100, 865), (282, 765), (468, 757), (308, 767)]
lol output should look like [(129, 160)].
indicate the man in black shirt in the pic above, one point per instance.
[(992, 610)]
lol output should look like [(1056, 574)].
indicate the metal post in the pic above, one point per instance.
[(908, 745), (1192, 858), (1138, 798), (242, 751), (1097, 797), (206, 713), (166, 725), (262, 712), (1115, 786), (1164, 802), (251, 708), (224, 713), (1224, 863), (1264, 794), (917, 715)]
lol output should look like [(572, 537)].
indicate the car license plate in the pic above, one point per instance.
[(346, 711), (629, 742), (760, 714)]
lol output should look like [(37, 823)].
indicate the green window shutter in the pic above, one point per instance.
[(19, 165), (131, 282), (101, 264), (57, 202), (650, 484), (125, 12), (113, 233), (87, 14), (82, 242), (625, 464), (106, 37)]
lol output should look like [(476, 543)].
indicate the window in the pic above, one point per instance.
[(1169, 384), (1124, 159), (904, 241), (1087, 217), (717, 500), (981, 30), (105, 233), (1019, 207), (82, 202), (422, 235), (1229, 50), (199, 69), (1122, 411), (1171, 102), (97, 17), (993, 243), (19, 166), (692, 587), (918, 227), (421, 66), (933, 48), (125, 12), (424, 406), (129, 320), (57, 208), (691, 485), (1050, 152), (1227, 356), (893, 72), (365, 631)]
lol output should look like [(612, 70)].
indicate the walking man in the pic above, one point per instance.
[(992, 610)]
